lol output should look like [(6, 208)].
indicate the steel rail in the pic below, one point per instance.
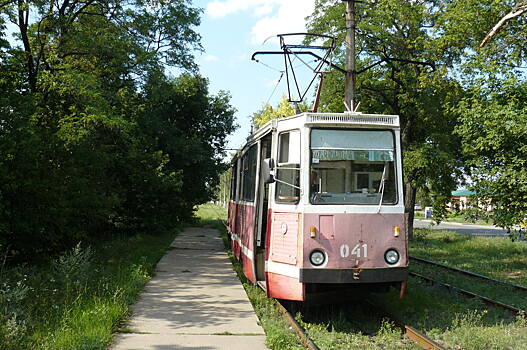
[(466, 293), (421, 339), (411, 333), (468, 273), (299, 330)]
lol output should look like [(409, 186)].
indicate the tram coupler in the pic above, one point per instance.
[(356, 273)]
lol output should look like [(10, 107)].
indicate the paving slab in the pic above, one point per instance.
[(191, 342), (195, 301)]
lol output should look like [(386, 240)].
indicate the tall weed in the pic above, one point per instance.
[(13, 314)]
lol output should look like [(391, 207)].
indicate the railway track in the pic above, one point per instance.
[(469, 294), (299, 330), (487, 301), (411, 333), (468, 273), (421, 339)]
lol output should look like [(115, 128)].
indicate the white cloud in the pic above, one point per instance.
[(211, 58), (263, 10), (274, 16), (290, 18), (219, 8)]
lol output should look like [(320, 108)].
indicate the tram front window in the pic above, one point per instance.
[(352, 167)]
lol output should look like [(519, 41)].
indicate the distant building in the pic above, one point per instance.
[(460, 199)]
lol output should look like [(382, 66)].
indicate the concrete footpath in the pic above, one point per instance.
[(195, 301), (463, 228)]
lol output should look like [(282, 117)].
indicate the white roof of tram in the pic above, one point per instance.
[(328, 120)]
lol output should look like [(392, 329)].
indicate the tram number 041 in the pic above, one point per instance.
[(360, 250)]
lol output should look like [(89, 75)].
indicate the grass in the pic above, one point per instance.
[(452, 320), (418, 214), (499, 258), (351, 326), (456, 320), (211, 214), (78, 300), (495, 291)]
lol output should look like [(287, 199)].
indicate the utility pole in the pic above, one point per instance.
[(349, 95)]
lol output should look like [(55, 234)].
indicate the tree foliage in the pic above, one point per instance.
[(409, 76), (95, 139), (283, 109), (492, 117), (494, 135)]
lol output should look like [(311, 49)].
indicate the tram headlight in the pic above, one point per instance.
[(391, 256), (317, 258)]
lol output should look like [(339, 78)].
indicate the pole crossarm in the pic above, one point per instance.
[(334, 66)]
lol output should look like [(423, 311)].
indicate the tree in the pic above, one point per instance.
[(493, 115), (283, 109), (267, 112), (65, 31), (90, 145), (494, 133), (222, 194), (190, 127), (409, 76)]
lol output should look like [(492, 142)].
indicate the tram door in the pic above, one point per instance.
[(262, 205)]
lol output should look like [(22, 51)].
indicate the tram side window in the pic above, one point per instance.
[(234, 177), (249, 174), (288, 170)]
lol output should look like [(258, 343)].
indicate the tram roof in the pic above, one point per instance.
[(328, 120)]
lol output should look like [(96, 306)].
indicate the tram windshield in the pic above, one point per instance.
[(352, 167)]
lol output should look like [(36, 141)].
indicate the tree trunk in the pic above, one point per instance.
[(409, 204), (23, 23)]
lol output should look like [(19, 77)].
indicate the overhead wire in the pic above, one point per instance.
[(282, 72), (306, 63), (275, 87), (268, 66)]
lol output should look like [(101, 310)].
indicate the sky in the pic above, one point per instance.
[(232, 30)]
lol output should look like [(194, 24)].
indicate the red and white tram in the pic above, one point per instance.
[(316, 205)]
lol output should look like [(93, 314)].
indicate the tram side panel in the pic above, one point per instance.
[(284, 240), (247, 239), (242, 237)]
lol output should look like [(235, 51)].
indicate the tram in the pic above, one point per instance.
[(316, 206)]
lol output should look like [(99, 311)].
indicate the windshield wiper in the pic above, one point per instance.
[(381, 187)]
